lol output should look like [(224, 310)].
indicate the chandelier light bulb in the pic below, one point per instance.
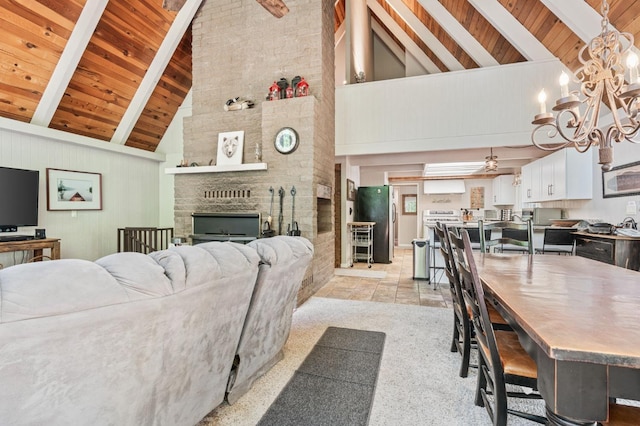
[(632, 64), (542, 99)]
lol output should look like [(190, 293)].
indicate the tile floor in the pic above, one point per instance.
[(398, 286)]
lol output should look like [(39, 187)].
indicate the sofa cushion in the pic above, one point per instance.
[(173, 266), (138, 274), (41, 289)]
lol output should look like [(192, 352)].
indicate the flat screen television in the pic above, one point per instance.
[(19, 191)]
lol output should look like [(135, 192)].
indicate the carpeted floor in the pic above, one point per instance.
[(418, 382)]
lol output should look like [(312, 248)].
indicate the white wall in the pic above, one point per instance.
[(477, 108), (172, 147), (130, 183)]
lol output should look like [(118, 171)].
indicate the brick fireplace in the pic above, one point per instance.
[(239, 49)]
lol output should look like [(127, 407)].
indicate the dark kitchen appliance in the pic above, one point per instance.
[(237, 227), (375, 204)]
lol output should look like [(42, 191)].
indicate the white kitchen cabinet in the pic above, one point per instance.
[(562, 175), (504, 193)]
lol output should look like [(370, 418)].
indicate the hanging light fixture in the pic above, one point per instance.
[(491, 163), (602, 77)]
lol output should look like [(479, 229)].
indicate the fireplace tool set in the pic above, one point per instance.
[(292, 228)]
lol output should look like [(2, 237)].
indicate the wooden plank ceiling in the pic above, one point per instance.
[(129, 34)]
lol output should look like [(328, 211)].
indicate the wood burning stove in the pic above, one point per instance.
[(237, 227)]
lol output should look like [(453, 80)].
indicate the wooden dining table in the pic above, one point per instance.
[(579, 319)]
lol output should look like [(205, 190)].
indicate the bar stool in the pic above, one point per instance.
[(438, 271)]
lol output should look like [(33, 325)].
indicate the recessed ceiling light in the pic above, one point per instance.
[(453, 169)]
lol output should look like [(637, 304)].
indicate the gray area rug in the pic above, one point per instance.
[(334, 385)]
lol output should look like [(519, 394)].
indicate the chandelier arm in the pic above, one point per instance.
[(550, 134)]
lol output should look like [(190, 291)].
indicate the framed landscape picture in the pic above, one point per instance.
[(351, 190), (621, 181), (70, 190)]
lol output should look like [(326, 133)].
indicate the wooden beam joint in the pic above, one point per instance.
[(276, 7), (173, 5)]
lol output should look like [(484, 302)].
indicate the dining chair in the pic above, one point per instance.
[(516, 236), (474, 236), (501, 358), (558, 240), (462, 339)]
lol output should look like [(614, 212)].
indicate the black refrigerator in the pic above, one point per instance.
[(375, 204)]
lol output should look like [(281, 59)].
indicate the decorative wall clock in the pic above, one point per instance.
[(286, 140)]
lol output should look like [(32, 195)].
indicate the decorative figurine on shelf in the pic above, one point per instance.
[(282, 85), (235, 104), (294, 83), (289, 92), (302, 88), (274, 92)]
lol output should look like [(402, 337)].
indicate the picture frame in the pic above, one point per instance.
[(351, 190), (230, 148), (621, 181), (73, 190), (410, 204)]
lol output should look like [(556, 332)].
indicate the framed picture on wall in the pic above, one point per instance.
[(621, 181), (409, 204), (351, 190), (71, 190)]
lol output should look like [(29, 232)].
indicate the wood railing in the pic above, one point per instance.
[(144, 240)]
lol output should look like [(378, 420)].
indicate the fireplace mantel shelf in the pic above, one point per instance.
[(216, 169)]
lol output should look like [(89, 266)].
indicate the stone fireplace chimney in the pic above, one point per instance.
[(239, 50)]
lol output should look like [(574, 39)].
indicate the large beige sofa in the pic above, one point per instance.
[(130, 339)]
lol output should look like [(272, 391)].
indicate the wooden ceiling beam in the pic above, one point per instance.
[(408, 43), (427, 36), (461, 36), (529, 46), (276, 7), (69, 60), (154, 73)]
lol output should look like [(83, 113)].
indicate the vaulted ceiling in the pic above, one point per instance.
[(117, 70)]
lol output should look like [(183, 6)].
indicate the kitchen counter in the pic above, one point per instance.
[(612, 249)]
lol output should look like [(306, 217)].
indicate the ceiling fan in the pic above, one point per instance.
[(276, 7)]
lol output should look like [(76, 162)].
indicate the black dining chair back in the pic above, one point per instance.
[(474, 236), (515, 236), (558, 240), (501, 358), (462, 331)]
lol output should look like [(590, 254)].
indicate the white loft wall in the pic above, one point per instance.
[(129, 186), (476, 108)]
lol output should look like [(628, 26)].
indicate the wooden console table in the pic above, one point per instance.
[(37, 246), (612, 249)]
